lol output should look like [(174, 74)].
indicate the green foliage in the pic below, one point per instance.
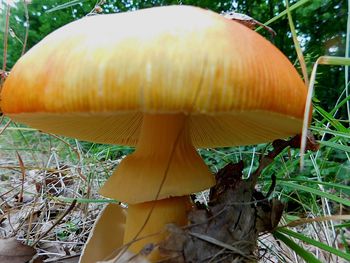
[(334, 251), (106, 152), (304, 254), (321, 29)]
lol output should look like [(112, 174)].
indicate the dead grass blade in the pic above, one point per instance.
[(316, 219), (70, 208), (23, 173)]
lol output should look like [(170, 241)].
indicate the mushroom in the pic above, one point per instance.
[(166, 80)]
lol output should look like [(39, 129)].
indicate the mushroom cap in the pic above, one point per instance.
[(94, 78)]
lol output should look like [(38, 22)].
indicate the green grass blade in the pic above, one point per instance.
[(336, 146), (334, 185), (316, 192), (83, 200), (65, 5), (283, 13), (343, 225), (297, 45), (315, 243), (20, 129), (340, 104), (334, 61), (306, 255), (328, 131), (335, 123), (325, 60), (346, 71)]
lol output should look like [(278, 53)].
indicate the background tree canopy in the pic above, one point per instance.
[(320, 190)]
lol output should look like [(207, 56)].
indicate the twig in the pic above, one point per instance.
[(272, 186), (27, 143), (9, 191), (278, 147), (70, 208), (30, 223), (6, 125), (6, 36), (218, 243), (74, 150), (23, 173), (27, 27)]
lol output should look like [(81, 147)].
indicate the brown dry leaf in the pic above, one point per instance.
[(13, 251), (248, 21), (15, 217)]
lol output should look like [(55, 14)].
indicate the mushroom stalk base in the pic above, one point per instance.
[(171, 210), (164, 163)]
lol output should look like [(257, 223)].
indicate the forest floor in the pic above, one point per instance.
[(37, 193)]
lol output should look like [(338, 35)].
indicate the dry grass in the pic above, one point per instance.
[(35, 194)]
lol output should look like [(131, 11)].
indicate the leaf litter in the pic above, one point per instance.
[(36, 203), (13, 251), (36, 217)]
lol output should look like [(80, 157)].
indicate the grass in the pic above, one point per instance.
[(42, 174), (52, 182)]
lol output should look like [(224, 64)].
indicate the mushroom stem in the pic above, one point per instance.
[(164, 160), (156, 215)]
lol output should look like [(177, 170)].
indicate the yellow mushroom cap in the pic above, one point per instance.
[(94, 78)]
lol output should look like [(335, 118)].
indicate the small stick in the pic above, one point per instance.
[(75, 151), (23, 173), (6, 36), (5, 126), (25, 4), (70, 208), (278, 147)]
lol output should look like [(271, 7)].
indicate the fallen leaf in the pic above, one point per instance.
[(13, 251), (248, 21)]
